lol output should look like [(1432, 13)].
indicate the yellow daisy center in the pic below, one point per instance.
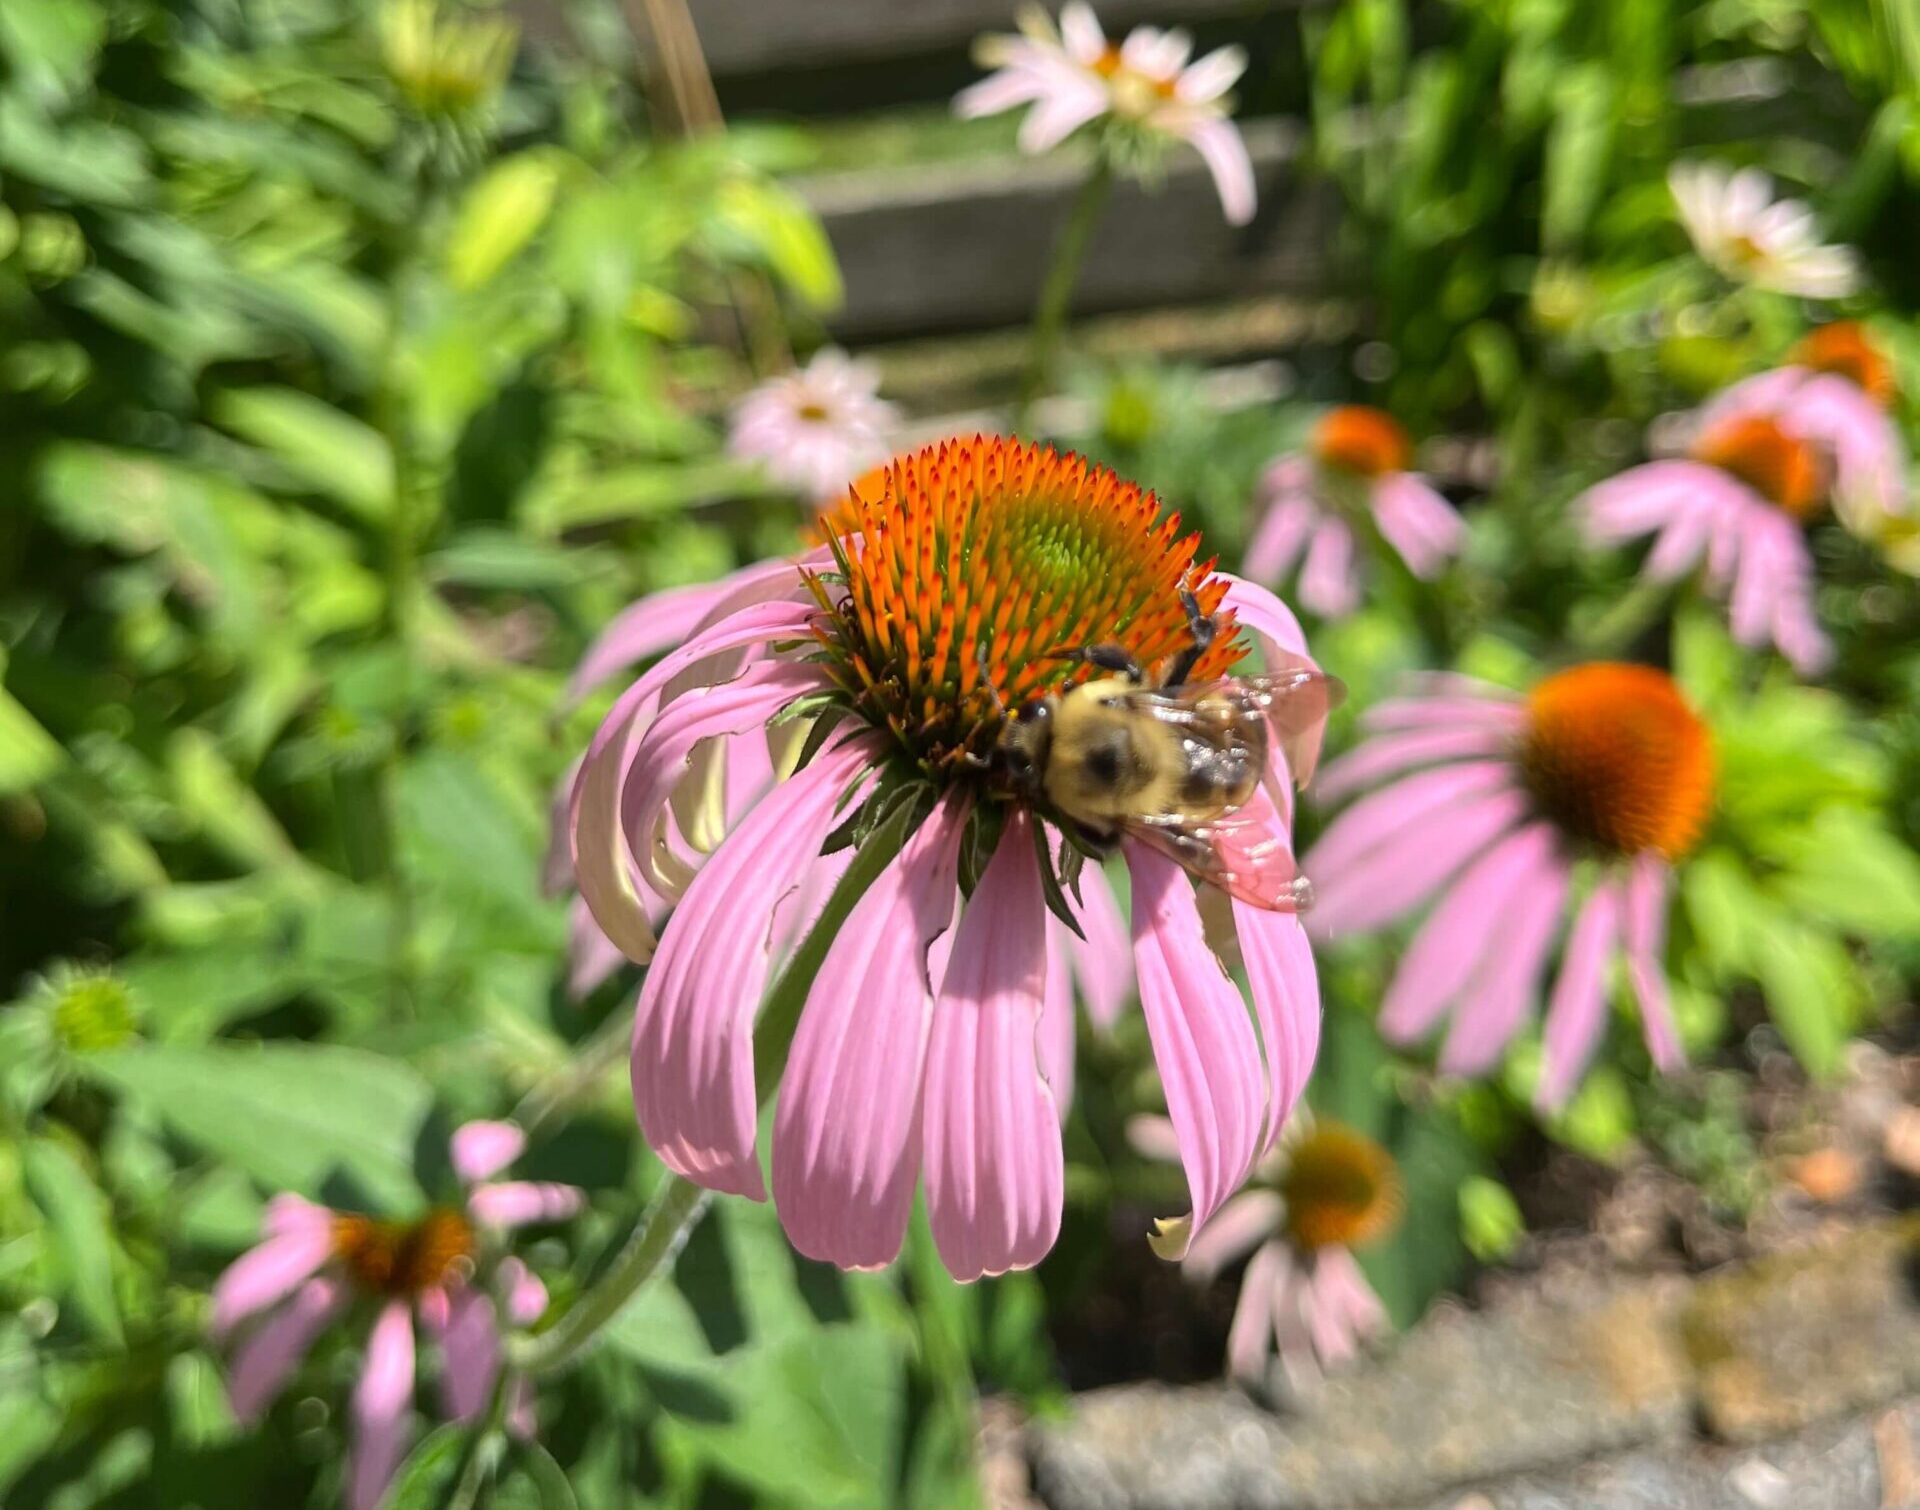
[(1341, 1189)]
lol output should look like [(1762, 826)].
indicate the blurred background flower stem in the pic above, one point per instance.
[(1056, 294)]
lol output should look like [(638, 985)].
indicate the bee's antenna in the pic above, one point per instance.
[(986, 677)]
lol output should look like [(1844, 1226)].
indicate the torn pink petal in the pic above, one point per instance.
[(1203, 1043)]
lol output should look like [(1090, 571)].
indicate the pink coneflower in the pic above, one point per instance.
[(1353, 470), (1074, 76), (817, 428), (958, 574), (314, 1264), (1739, 501), (1739, 228), (1577, 797), (1837, 387), (1323, 1192)]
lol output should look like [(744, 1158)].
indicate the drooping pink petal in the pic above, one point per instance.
[(1279, 537), (592, 957), (1222, 149), (481, 1150), (1493, 1007), (1469, 923), (268, 1273), (693, 1082), (1203, 1043), (1102, 961), (1645, 932), (1643, 499), (1282, 643), (1402, 872), (1153, 1138), (1483, 709), (660, 759), (1329, 583), (1248, 1219), (469, 1342), (1380, 820), (1390, 754), (1578, 1008), (381, 1404), (654, 624), (1417, 522), (1286, 1005), (521, 1203), (288, 1213), (846, 1136), (1067, 105), (995, 1169), (1058, 1036), (603, 866), (1249, 1339), (273, 1349)]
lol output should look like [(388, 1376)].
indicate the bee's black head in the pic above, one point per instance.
[(1024, 742)]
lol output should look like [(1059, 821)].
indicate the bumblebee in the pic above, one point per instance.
[(1177, 765)]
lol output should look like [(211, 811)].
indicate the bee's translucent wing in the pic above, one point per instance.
[(1296, 701), (1245, 853)]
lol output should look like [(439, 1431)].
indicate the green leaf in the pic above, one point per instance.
[(55, 39), (638, 490), (426, 1478), (1578, 143), (28, 753), (1490, 1219), (1727, 911), (229, 812), (500, 215), (546, 1480), (330, 452), (77, 1216), (1852, 873), (1810, 988), (778, 225), (293, 1115)]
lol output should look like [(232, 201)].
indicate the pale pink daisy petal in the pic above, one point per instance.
[(481, 1150), (1102, 960), (269, 1354), (1329, 585), (994, 1165), (1212, 76), (846, 1139), (1417, 522), (469, 1339), (1409, 867), (526, 1295), (693, 1080), (1496, 1003), (1224, 152), (1577, 1011), (1236, 1229), (656, 623), (1081, 33), (1645, 935), (1250, 1337), (522, 1203), (269, 1273), (1280, 536), (1469, 923), (1210, 1061), (381, 1404), (287, 1214)]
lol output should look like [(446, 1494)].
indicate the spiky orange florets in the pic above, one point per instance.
[(403, 1258), (1782, 468), (1342, 1189), (1616, 757), (1359, 439), (971, 563), (1845, 347)]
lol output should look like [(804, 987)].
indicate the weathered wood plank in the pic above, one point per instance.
[(967, 245), (766, 36)]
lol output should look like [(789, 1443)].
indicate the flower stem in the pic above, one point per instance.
[(1056, 294), (1613, 631), (656, 1241)]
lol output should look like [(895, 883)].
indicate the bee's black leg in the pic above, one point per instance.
[(986, 679), (1203, 630), (1108, 658)]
